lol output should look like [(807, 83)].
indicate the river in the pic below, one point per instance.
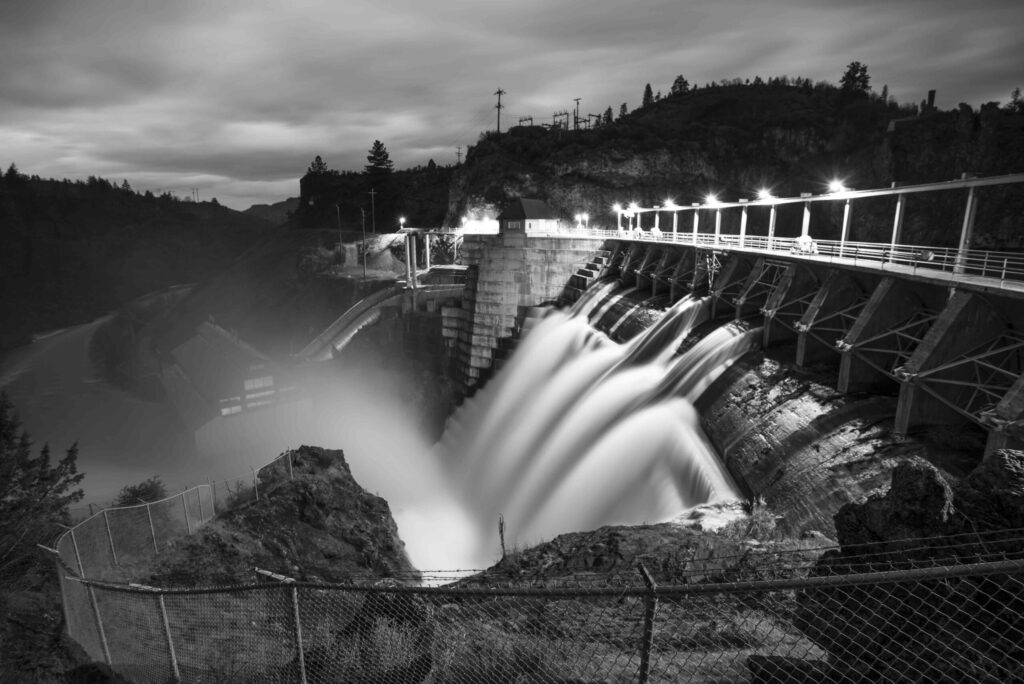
[(122, 440)]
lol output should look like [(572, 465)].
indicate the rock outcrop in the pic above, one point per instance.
[(948, 629), (319, 526)]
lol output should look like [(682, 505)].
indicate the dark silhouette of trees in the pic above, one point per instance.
[(648, 96), (608, 116), (1016, 103), (147, 491), (855, 79), (380, 163), (34, 493), (679, 86), (319, 167), (623, 110)]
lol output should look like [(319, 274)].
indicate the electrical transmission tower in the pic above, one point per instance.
[(576, 114), (499, 107), (458, 154), (528, 120)]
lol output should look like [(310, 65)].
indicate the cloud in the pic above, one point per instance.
[(241, 95)]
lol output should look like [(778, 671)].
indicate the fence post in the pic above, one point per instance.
[(291, 475), (298, 634), (650, 607), (170, 643), (152, 529), (213, 497), (184, 505), (110, 537), (199, 495)]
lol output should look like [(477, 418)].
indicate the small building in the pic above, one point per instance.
[(528, 216)]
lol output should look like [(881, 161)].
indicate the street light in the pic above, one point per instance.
[(617, 208), (401, 222), (586, 220)]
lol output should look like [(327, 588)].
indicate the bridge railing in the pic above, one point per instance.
[(995, 265)]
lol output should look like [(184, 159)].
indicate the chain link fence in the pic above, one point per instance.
[(947, 610)]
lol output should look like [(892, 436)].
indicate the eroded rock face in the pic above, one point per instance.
[(320, 526), (949, 629)]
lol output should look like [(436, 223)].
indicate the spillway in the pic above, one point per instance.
[(578, 431)]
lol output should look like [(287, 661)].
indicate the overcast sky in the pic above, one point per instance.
[(236, 98)]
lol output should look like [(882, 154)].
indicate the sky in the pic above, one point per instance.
[(235, 98)]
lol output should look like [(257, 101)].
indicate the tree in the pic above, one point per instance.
[(1016, 103), (885, 94), (607, 119), (146, 491), (380, 162), (679, 86), (648, 96), (623, 110), (855, 79), (318, 167), (34, 494)]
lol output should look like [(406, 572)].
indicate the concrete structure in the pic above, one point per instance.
[(528, 216)]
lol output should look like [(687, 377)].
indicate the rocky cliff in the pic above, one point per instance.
[(318, 526), (734, 139)]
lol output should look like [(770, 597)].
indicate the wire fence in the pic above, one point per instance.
[(957, 617), (927, 610)]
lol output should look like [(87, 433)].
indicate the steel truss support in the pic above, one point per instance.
[(950, 376), (761, 282), (787, 302), (882, 337), (729, 281), (828, 318)]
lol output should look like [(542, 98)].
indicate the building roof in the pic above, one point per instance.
[(520, 209)]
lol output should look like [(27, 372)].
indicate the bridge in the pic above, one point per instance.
[(941, 324)]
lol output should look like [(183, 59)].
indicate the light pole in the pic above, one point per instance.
[(586, 220), (337, 211), (401, 222), (617, 208)]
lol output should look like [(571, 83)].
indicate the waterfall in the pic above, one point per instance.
[(577, 431)]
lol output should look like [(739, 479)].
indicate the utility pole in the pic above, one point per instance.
[(363, 212), (458, 155), (576, 114), (373, 210), (499, 107)]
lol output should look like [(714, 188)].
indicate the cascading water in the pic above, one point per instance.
[(578, 431)]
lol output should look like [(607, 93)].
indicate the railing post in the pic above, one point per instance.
[(846, 227), (170, 642), (966, 231), (199, 495), (772, 215), (110, 537), (152, 529), (650, 608), (743, 225), (298, 634)]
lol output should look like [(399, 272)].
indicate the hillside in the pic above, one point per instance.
[(734, 139), (74, 251)]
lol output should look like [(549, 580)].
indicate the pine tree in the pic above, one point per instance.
[(607, 116), (679, 86), (34, 494), (318, 167), (623, 110), (855, 79), (380, 162), (648, 96)]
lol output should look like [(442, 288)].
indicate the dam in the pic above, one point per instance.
[(574, 404)]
